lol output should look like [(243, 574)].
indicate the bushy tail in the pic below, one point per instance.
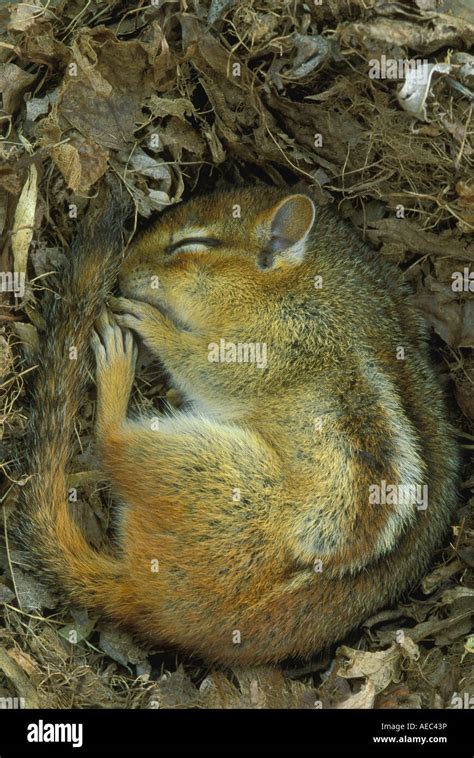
[(43, 523)]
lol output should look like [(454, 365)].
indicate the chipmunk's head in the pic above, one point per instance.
[(206, 260)]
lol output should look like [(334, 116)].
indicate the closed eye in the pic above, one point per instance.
[(193, 243)]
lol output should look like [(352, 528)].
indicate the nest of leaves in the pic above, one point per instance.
[(176, 98)]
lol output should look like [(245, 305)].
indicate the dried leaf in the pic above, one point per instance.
[(23, 225), (75, 633), (412, 96), (381, 668), (32, 595), (13, 83), (21, 682), (440, 575), (28, 335), (120, 646), (451, 319), (103, 100), (361, 700), (38, 106), (162, 107), (26, 14)]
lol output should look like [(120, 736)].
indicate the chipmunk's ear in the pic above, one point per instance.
[(284, 229)]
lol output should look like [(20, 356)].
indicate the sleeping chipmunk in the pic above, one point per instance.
[(252, 524)]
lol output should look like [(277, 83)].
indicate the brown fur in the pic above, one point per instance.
[(268, 471)]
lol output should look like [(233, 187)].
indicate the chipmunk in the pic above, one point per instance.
[(280, 506)]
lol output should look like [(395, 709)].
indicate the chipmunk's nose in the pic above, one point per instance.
[(133, 279), (141, 283)]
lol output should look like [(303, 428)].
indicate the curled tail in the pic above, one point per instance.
[(42, 522)]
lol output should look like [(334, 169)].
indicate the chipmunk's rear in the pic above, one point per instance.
[(311, 474)]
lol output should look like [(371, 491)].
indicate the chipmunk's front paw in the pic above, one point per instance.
[(116, 355), (145, 320)]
